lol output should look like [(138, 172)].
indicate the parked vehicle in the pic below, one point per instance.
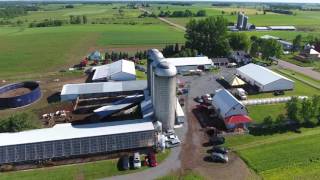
[(278, 93), (172, 141), (216, 140), (219, 149), (136, 160), (124, 162), (218, 157), (241, 93), (151, 160), (198, 100)]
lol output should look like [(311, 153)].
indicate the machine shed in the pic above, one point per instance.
[(263, 78)]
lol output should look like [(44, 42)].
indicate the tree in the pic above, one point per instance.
[(201, 13), (306, 110), (239, 41), (296, 45), (292, 109), (208, 36), (315, 106), (188, 13), (176, 48), (84, 19), (271, 48)]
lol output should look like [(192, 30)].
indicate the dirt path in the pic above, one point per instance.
[(303, 70), (167, 21)]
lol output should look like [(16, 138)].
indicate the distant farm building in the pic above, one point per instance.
[(190, 63), (264, 79), (232, 111), (121, 70), (220, 61), (95, 56), (241, 57), (282, 28)]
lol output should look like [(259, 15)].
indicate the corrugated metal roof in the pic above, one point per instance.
[(106, 71), (224, 100), (103, 87), (189, 61), (260, 74), (69, 131)]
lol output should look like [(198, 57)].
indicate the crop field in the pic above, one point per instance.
[(45, 49), (281, 156)]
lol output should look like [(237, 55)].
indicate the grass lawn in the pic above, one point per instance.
[(259, 112), (141, 75), (297, 75), (92, 170)]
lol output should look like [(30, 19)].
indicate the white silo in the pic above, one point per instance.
[(165, 94), (154, 55)]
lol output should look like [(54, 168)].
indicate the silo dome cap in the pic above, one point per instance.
[(165, 69)]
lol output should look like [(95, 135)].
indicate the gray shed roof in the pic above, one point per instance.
[(224, 100)]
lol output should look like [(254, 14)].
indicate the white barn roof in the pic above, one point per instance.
[(109, 70), (69, 131), (103, 87), (225, 102), (189, 61), (282, 27), (260, 74)]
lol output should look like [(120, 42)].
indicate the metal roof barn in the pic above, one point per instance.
[(282, 28), (121, 70), (265, 79), (72, 91), (227, 105), (189, 61), (65, 140)]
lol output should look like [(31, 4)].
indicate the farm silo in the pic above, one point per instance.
[(153, 55), (165, 94), (240, 21), (245, 22)]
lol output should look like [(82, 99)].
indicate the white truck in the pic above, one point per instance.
[(241, 93)]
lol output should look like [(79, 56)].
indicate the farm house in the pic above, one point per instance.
[(121, 70), (231, 111), (264, 79), (66, 140)]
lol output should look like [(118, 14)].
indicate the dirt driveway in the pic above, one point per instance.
[(195, 151)]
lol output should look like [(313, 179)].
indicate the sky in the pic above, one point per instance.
[(283, 1)]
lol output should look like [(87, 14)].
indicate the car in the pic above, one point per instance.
[(151, 160), (173, 143), (218, 157), (124, 162), (278, 93), (136, 160), (217, 140), (198, 100), (219, 149)]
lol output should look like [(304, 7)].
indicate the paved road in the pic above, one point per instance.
[(303, 70), (166, 21), (171, 163)]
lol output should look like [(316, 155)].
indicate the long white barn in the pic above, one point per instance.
[(263, 78)]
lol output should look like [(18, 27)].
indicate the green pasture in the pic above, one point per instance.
[(37, 50), (91, 170), (259, 112)]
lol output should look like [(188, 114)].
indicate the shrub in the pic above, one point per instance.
[(19, 122)]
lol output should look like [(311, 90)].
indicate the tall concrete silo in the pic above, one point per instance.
[(245, 22), (154, 55), (240, 21), (165, 94)]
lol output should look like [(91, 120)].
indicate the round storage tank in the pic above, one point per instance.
[(154, 55), (165, 94), (19, 94)]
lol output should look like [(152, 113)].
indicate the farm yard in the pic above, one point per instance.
[(45, 54)]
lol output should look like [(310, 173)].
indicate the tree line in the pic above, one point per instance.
[(178, 51), (186, 13), (114, 56)]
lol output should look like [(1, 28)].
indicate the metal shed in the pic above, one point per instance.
[(265, 79)]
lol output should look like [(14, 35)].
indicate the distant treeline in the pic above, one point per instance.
[(14, 11), (186, 13), (279, 11), (177, 3), (221, 4), (46, 23)]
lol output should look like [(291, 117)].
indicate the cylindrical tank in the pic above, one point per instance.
[(165, 94), (245, 22), (152, 56), (240, 21)]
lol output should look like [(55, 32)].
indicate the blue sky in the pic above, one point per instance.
[(283, 1)]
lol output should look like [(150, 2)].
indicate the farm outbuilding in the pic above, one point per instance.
[(264, 79), (227, 105), (67, 140), (121, 70), (71, 92), (95, 56), (190, 63)]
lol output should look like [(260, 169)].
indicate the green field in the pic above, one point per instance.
[(48, 49), (190, 175), (92, 170), (280, 156)]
